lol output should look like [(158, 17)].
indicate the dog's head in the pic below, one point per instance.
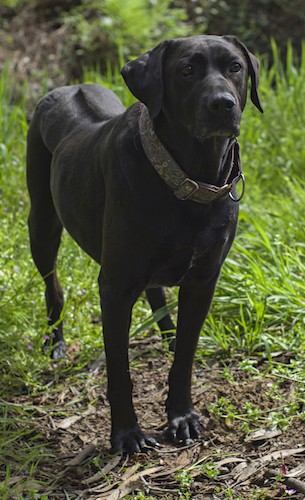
[(198, 82)]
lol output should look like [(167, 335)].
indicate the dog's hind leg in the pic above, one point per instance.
[(45, 231), (156, 299)]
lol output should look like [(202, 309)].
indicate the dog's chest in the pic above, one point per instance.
[(182, 255)]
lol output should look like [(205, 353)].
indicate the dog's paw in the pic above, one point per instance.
[(59, 350), (131, 440), (184, 428), (56, 351)]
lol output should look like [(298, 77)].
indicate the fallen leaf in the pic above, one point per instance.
[(69, 421), (14, 480), (279, 454), (129, 485), (105, 470), (130, 472), (254, 466), (125, 489), (230, 460), (183, 459), (262, 435), (82, 455), (238, 469), (298, 471)]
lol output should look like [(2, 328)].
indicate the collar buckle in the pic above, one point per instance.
[(242, 178), (186, 189)]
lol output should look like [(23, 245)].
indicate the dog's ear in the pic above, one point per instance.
[(253, 69), (144, 78)]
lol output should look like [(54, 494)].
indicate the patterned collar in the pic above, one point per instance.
[(177, 180)]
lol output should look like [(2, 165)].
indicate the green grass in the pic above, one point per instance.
[(259, 303)]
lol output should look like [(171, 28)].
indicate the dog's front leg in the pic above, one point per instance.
[(126, 434), (194, 304)]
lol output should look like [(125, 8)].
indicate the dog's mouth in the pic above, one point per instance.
[(225, 132), (216, 124), (227, 128)]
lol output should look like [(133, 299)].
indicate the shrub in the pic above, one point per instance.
[(101, 29)]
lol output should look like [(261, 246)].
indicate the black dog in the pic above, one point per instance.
[(149, 193)]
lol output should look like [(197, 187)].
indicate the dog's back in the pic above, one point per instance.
[(63, 110)]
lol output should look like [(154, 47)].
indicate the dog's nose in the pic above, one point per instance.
[(222, 103)]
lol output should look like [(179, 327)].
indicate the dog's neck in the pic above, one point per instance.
[(200, 160)]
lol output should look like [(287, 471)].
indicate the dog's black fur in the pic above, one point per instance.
[(87, 172)]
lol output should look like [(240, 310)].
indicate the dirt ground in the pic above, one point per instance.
[(73, 420)]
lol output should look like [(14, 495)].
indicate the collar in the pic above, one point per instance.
[(177, 180)]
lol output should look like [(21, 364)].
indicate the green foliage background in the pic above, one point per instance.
[(102, 30)]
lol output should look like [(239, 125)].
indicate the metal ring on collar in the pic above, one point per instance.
[(242, 178)]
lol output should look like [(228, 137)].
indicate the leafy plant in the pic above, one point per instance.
[(122, 27)]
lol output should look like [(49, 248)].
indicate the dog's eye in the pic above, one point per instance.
[(186, 70), (235, 67)]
